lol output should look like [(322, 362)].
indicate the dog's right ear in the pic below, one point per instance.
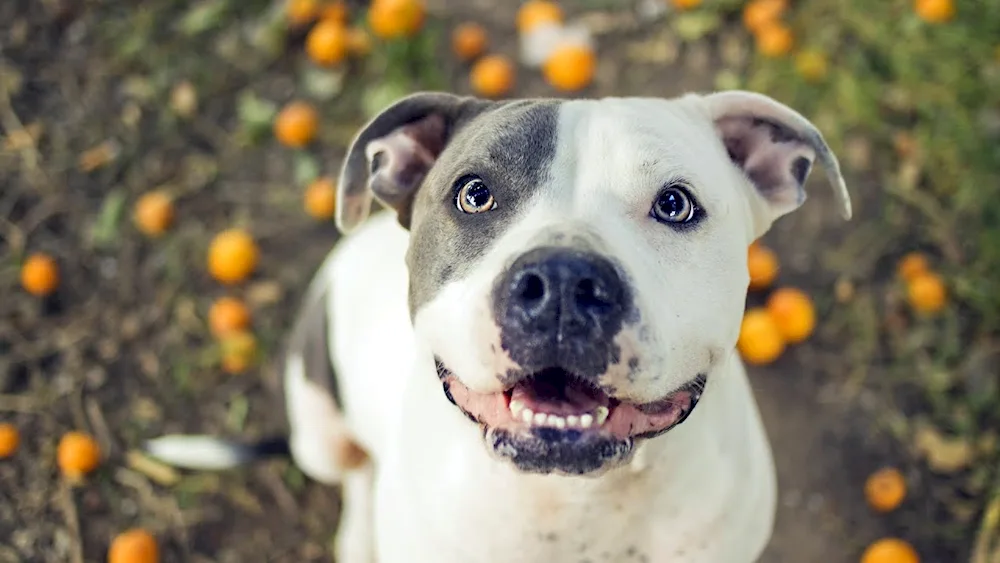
[(391, 155)]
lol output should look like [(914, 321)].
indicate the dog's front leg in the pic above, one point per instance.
[(355, 538)]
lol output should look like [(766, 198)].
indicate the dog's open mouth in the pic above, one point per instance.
[(565, 405)]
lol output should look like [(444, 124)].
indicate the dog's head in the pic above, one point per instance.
[(578, 268)]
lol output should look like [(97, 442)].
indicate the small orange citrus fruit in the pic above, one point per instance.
[(327, 43), (685, 4), (296, 124), (10, 440), (232, 256), (40, 274), (760, 341), (912, 265), (935, 11), (134, 546), (77, 454), (335, 11), (239, 351), (468, 41), (890, 550), (763, 265), (533, 13), (570, 68), (926, 293), (774, 39), (811, 65), (358, 41), (493, 76), (793, 312), (154, 213), (393, 19), (885, 489), (320, 200), (301, 12), (758, 13), (226, 315)]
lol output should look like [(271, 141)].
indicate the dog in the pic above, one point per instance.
[(529, 355)]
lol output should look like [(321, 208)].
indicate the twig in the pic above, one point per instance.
[(68, 508), (986, 548)]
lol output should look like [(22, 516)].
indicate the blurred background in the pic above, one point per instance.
[(167, 175)]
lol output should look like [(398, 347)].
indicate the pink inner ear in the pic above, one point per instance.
[(400, 160), (774, 158)]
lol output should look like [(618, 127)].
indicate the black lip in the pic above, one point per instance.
[(569, 452)]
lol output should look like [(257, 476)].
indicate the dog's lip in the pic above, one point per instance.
[(614, 416)]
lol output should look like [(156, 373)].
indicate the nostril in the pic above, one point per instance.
[(531, 288)]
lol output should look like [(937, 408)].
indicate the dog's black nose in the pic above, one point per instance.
[(560, 306)]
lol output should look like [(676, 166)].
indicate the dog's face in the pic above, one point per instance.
[(578, 268)]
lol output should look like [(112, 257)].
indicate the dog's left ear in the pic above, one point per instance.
[(775, 146), (391, 155)]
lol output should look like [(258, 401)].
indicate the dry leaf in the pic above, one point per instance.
[(99, 156), (943, 454)]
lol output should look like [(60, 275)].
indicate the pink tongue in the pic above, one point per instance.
[(550, 400)]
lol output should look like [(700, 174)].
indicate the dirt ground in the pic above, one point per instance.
[(122, 351)]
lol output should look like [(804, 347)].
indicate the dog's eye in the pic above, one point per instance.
[(473, 196), (674, 205)]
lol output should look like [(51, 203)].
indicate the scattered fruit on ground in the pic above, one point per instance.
[(885, 489), (10, 440), (685, 4), (758, 13), (335, 11), (327, 43), (760, 341), (232, 256), (774, 39), (811, 65), (890, 550), (239, 351), (359, 43), (301, 12), (926, 293), (320, 199), (468, 41), (40, 274), (77, 454), (296, 124), (493, 76), (534, 13), (762, 263), (935, 11), (394, 19), (227, 315), (912, 265), (134, 546), (570, 67), (154, 213), (794, 313)]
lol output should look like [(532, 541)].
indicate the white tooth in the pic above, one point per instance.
[(572, 421), (527, 415), (586, 420), (556, 421), (540, 418), (516, 407), (600, 415)]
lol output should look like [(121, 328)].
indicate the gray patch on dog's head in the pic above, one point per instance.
[(511, 147)]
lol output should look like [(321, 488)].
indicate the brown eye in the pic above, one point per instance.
[(474, 197), (674, 205)]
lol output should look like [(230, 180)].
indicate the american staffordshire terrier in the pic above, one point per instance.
[(530, 356)]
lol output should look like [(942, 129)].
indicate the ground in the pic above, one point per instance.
[(121, 350)]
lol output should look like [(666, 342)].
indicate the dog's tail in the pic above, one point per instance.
[(209, 453)]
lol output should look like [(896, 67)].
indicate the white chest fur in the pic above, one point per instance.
[(704, 492)]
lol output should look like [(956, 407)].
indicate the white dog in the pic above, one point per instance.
[(497, 368)]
